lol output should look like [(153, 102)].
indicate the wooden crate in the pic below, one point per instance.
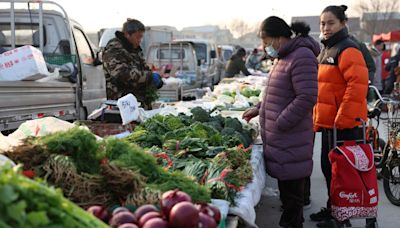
[(106, 129)]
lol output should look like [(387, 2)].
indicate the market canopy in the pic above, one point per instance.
[(393, 36)]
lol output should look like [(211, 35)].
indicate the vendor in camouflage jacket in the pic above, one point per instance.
[(125, 68)]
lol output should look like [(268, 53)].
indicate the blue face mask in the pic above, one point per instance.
[(271, 51)]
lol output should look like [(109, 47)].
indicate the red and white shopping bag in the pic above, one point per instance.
[(354, 186)]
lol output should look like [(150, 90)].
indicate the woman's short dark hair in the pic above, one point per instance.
[(132, 26), (276, 27), (338, 11)]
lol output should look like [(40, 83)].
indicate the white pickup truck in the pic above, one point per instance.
[(181, 59), (61, 40)]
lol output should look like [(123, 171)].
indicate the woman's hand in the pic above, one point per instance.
[(250, 114)]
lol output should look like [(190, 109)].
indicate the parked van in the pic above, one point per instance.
[(180, 57), (206, 52)]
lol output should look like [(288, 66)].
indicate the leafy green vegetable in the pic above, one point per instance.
[(131, 156), (144, 138), (154, 125), (27, 203), (250, 92), (177, 180), (77, 143), (200, 114), (173, 122), (124, 154), (233, 123), (196, 168)]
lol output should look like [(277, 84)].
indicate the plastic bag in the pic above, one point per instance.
[(128, 108), (240, 101)]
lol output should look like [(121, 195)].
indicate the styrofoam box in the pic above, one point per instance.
[(23, 63)]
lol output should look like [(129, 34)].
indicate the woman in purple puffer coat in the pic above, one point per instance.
[(286, 112)]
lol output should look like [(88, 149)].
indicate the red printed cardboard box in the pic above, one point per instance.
[(23, 63)]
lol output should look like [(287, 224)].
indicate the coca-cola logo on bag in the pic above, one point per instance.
[(352, 197)]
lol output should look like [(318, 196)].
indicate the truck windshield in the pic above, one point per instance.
[(174, 53), (201, 51), (25, 34)]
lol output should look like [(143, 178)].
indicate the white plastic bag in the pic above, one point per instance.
[(240, 100), (128, 108)]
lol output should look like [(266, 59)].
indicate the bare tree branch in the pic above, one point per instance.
[(239, 27), (378, 15)]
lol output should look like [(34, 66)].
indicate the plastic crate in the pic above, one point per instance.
[(58, 59)]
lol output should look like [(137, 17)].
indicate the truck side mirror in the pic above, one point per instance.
[(199, 62), (213, 54), (98, 60)]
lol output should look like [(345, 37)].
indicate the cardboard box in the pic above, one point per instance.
[(23, 63)]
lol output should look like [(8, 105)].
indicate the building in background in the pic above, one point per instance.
[(361, 27)]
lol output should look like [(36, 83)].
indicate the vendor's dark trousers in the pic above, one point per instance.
[(326, 147), (292, 196)]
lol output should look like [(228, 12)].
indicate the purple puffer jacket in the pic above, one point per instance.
[(286, 110)]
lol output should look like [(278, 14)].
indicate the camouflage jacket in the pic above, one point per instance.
[(126, 70)]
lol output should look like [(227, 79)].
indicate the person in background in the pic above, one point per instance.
[(125, 68), (342, 92), (236, 64), (377, 51), (385, 60), (253, 61), (367, 57), (392, 67), (286, 112)]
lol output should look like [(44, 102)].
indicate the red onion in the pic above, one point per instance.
[(155, 223), (128, 225), (210, 210), (206, 221), (144, 209), (149, 215), (170, 198), (184, 214), (100, 212), (122, 218), (118, 210)]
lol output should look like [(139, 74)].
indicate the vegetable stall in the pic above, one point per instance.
[(207, 156)]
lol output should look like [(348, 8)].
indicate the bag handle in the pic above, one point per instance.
[(352, 164)]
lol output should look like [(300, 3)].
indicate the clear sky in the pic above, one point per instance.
[(96, 14)]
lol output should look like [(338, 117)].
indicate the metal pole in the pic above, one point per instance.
[(41, 38), (12, 25), (170, 53), (181, 58), (159, 56)]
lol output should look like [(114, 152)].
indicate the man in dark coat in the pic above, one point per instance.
[(125, 68), (236, 64)]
